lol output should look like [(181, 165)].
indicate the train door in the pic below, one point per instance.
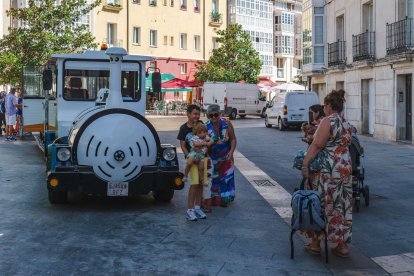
[(33, 99)]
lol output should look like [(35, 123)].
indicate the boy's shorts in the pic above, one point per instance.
[(10, 119), (193, 175)]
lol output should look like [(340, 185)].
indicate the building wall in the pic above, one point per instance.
[(169, 22), (387, 73)]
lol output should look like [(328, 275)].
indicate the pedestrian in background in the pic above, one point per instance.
[(2, 113), (195, 192), (222, 133), (333, 136), (20, 112), (11, 110)]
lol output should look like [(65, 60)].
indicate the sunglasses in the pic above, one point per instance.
[(215, 115)]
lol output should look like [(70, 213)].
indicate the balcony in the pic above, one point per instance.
[(215, 19), (336, 53), (363, 46), (399, 36), (112, 5)]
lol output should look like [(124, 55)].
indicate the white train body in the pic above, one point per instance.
[(97, 140)]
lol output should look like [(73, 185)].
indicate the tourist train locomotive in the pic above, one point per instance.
[(89, 109)]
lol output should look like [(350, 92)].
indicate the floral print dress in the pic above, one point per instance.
[(335, 182), (222, 188)]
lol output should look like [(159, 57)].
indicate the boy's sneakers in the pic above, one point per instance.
[(191, 215), (199, 213)]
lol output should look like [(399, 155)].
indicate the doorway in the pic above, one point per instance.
[(367, 107), (404, 108)]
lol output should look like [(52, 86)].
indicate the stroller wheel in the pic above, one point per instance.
[(366, 195), (357, 204)]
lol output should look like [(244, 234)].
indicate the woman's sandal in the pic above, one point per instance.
[(310, 249), (337, 252)]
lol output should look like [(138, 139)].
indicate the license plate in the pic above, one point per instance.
[(297, 117), (117, 188)]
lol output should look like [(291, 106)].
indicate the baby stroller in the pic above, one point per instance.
[(358, 173)]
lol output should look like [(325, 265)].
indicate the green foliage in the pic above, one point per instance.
[(299, 80), (235, 60), (45, 28)]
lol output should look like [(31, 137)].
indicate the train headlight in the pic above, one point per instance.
[(63, 154), (168, 154)]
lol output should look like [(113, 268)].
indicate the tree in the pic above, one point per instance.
[(45, 28), (235, 60)]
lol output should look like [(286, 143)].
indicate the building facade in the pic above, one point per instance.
[(368, 51), (287, 39), (256, 18), (178, 33)]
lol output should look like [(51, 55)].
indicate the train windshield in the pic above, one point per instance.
[(84, 84)]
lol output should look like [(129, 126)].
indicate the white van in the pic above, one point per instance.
[(234, 98), (290, 108)]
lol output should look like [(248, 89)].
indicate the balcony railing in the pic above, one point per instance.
[(400, 36), (363, 46), (336, 53)]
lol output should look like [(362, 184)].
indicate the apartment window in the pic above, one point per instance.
[(153, 2), (153, 38), (183, 41), (136, 1), (136, 36), (111, 34), (319, 54), (165, 40), (172, 41), (368, 17), (287, 45), (340, 27), (172, 3), (287, 22), (319, 29), (183, 68), (197, 43), (164, 2), (196, 5), (183, 4), (214, 5)]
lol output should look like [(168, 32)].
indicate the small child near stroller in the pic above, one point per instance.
[(358, 172)]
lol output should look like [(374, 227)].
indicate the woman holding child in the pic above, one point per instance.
[(221, 132)]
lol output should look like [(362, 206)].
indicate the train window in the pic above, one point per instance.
[(83, 85)]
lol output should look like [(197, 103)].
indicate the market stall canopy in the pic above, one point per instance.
[(164, 78), (290, 86), (179, 83), (266, 85)]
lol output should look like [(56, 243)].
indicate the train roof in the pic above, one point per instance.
[(99, 55)]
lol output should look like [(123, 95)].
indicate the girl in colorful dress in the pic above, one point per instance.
[(222, 133), (333, 136)]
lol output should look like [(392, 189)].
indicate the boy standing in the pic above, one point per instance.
[(196, 189), (11, 106)]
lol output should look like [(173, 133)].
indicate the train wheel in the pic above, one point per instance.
[(163, 196), (56, 197)]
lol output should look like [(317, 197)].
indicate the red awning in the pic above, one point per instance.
[(179, 83)]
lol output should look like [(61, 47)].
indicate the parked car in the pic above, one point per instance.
[(290, 109), (234, 98)]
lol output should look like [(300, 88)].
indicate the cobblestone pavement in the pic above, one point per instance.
[(131, 236)]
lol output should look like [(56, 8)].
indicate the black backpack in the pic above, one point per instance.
[(308, 214)]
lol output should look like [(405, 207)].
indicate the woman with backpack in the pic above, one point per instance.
[(333, 136)]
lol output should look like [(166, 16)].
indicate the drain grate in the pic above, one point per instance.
[(263, 183)]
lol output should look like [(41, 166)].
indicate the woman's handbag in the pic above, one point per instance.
[(315, 165)]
